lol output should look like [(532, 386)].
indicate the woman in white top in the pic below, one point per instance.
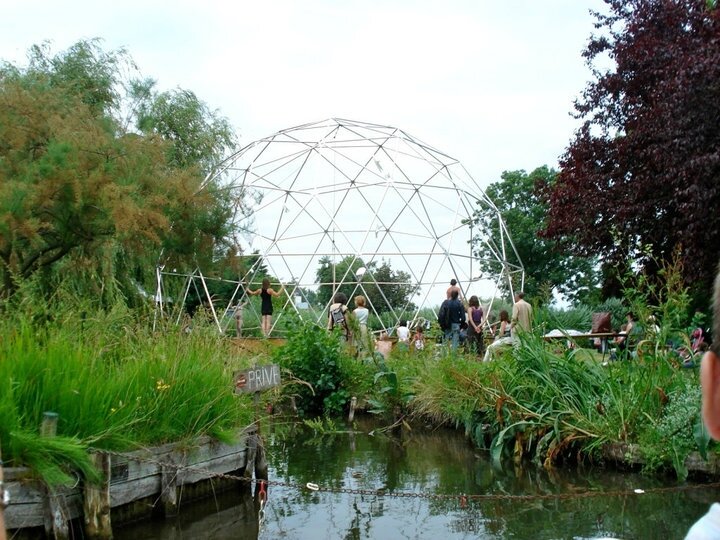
[(403, 333), (361, 314)]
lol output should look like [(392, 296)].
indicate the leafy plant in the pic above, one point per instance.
[(315, 356)]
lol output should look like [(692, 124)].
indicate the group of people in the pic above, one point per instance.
[(454, 314), (457, 319), (339, 312)]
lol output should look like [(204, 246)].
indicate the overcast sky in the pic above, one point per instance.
[(489, 82)]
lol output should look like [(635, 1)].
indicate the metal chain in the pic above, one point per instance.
[(405, 494)]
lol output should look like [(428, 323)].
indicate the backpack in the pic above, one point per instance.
[(444, 316), (338, 316)]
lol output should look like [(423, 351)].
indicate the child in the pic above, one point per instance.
[(419, 339), (403, 335), (383, 345)]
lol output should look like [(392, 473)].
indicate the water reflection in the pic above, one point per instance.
[(427, 462)]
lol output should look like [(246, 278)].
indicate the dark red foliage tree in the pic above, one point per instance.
[(642, 175)]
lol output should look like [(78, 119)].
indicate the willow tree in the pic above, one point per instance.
[(85, 194)]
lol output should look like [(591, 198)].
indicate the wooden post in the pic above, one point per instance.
[(168, 493), (56, 513), (2, 493), (96, 501), (250, 456), (353, 404), (48, 428), (56, 521), (261, 466)]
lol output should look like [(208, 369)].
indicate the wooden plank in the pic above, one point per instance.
[(127, 492), (131, 478), (223, 465), (168, 490), (583, 336), (29, 500), (20, 515)]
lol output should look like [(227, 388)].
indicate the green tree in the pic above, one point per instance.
[(200, 136), (81, 197), (382, 286), (517, 198), (387, 287), (342, 273)]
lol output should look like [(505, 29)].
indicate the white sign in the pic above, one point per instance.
[(257, 379)]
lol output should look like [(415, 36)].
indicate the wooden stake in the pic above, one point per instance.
[(168, 493), (353, 404), (56, 521), (48, 428), (56, 524), (261, 466), (2, 514), (96, 501)]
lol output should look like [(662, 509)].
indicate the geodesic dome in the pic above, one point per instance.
[(341, 190)]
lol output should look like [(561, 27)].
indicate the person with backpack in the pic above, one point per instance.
[(338, 314)]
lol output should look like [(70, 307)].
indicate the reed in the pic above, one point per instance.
[(549, 405), (115, 385)]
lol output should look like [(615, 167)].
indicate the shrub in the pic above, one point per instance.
[(317, 357)]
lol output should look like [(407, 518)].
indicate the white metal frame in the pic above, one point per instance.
[(294, 190)]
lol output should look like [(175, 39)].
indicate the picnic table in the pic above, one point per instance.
[(603, 336)]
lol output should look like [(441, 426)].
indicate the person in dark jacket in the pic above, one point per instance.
[(452, 315)]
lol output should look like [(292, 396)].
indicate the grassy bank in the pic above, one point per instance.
[(532, 402), (114, 383), (536, 403)]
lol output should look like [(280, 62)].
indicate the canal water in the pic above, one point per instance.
[(369, 475)]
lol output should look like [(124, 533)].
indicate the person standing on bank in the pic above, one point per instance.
[(403, 335), (455, 317), (502, 337), (338, 314), (361, 314), (453, 287), (708, 526), (475, 321), (266, 308), (521, 316)]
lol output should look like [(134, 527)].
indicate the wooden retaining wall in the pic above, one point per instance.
[(136, 484)]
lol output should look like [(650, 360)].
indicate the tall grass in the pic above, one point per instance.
[(115, 385), (536, 401)]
